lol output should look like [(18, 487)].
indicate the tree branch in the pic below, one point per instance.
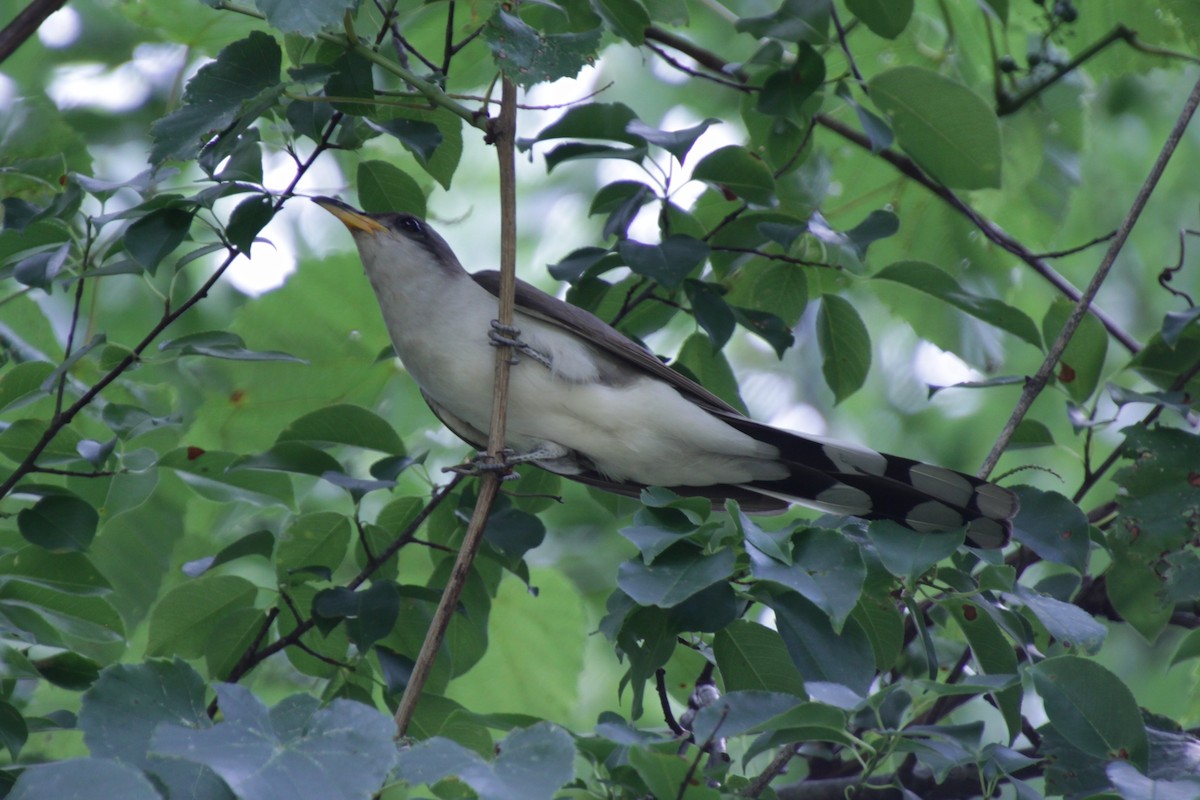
[(1035, 385), (25, 24)]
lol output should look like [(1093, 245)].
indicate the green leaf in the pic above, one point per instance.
[(1029, 433), (21, 384), (1134, 588), (222, 344), (1189, 647), (1082, 362), (514, 532), (739, 712), (59, 523), (14, 731), (818, 652), (1133, 785), (216, 95), (664, 773), (206, 473), (153, 237), (933, 281), (21, 436), (677, 143), (824, 567), (674, 576), (627, 18), (383, 187), (667, 263), (949, 130), (886, 18), (248, 219), (794, 21), (1069, 624), (344, 424), (527, 56), (1053, 527), (312, 540), (993, 653), (70, 572), (533, 763), (296, 457), (369, 613), (259, 543), (711, 311), (737, 170), (876, 614), (592, 121), (352, 77), (1092, 708), (343, 749), (907, 554), (753, 657), (68, 779), (182, 620), (710, 368), (845, 346), (306, 19), (786, 91)]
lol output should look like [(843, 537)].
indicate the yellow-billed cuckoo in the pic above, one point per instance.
[(590, 404)]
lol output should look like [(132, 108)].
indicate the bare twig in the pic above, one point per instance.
[(503, 132), (773, 771), (25, 24), (1034, 386)]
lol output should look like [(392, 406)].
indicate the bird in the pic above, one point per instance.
[(590, 404)]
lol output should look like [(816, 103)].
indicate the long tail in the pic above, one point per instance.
[(842, 479)]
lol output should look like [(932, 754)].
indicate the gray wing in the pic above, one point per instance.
[(536, 303)]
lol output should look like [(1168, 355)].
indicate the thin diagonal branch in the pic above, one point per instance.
[(25, 24), (1035, 385)]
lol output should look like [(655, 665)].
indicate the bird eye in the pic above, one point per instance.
[(412, 226)]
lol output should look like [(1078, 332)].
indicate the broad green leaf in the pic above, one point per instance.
[(1189, 647), (1135, 589), (664, 773), (753, 657), (59, 523), (72, 573), (207, 474), (627, 18), (80, 777), (876, 614), (845, 346), (306, 19), (343, 749), (155, 236), (369, 613), (319, 539), (295, 457), (886, 18), (818, 652), (1082, 362), (89, 620), (711, 311), (677, 143), (735, 169), (948, 129), (592, 121), (667, 263), (824, 567), (1053, 527), (527, 56), (215, 96), (1092, 708), (933, 281), (907, 554), (786, 91), (260, 543), (248, 219), (709, 368), (739, 712), (794, 21), (1069, 624), (674, 576), (344, 424), (352, 78), (21, 383), (1133, 785), (228, 643), (383, 187), (182, 620)]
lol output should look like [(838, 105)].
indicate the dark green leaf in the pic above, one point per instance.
[(21, 383), (794, 21), (71, 572), (785, 92), (825, 567), (1092, 708), (677, 143), (352, 78), (1053, 527), (711, 311), (738, 712), (306, 19), (153, 237), (1133, 785), (1031, 433), (709, 368), (419, 137), (40, 269), (947, 128), (575, 151), (296, 457), (993, 653), (259, 543), (186, 615), (250, 217), (319, 539), (667, 263), (845, 346), (1176, 322), (343, 749), (933, 281), (59, 523), (773, 330), (818, 652), (627, 18), (514, 532), (83, 777), (573, 267), (621, 200), (369, 613), (674, 576), (879, 224), (886, 18), (907, 554), (216, 95), (344, 424), (222, 344), (735, 169), (527, 56), (1069, 624), (592, 121), (753, 657)]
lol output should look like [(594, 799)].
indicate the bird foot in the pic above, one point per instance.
[(509, 336), (484, 463)]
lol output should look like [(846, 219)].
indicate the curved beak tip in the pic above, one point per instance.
[(351, 217)]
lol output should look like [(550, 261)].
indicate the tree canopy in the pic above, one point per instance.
[(961, 232)]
